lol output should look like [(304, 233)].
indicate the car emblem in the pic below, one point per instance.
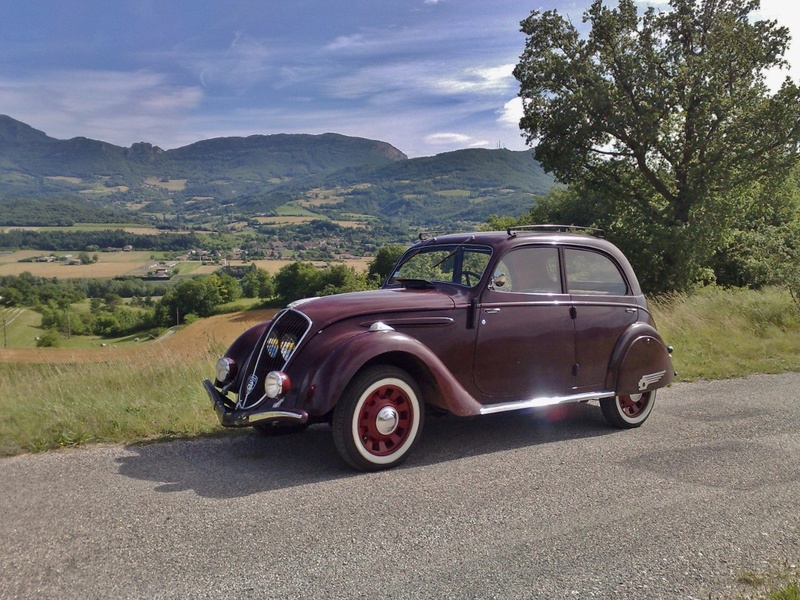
[(251, 384), (650, 379)]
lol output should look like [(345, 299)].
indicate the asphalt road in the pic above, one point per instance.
[(509, 506)]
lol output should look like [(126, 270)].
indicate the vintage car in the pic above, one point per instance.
[(470, 324)]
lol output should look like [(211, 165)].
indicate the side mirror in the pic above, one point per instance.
[(499, 280)]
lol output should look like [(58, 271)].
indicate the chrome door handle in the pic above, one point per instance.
[(491, 311)]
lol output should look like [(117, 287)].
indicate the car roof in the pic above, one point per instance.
[(502, 240)]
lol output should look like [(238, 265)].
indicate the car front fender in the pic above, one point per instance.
[(322, 387), (641, 362)]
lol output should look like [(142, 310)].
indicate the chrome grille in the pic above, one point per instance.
[(289, 324)]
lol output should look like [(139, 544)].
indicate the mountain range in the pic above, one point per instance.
[(329, 175)]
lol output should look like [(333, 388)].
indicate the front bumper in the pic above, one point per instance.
[(229, 416)]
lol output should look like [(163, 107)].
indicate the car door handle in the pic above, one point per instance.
[(491, 311), (631, 311)]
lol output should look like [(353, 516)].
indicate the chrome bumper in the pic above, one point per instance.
[(229, 416)]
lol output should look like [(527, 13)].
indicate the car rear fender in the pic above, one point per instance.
[(326, 384), (641, 361)]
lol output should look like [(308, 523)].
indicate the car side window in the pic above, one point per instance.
[(530, 270), (590, 272)]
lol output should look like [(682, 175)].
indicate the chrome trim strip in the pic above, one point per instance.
[(277, 414), (544, 401)]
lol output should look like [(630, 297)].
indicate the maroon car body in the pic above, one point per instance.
[(471, 324)]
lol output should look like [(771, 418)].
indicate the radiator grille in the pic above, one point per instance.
[(280, 341)]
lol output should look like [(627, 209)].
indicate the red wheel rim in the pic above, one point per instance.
[(375, 442), (633, 406)]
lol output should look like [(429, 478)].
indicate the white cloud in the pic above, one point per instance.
[(447, 138), (511, 113), (479, 80), (454, 140), (120, 108)]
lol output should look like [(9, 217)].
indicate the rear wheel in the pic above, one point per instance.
[(378, 419), (628, 410)]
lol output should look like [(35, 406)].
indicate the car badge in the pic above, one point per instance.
[(648, 380), (251, 384)]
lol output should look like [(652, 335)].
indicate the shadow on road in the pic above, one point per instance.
[(240, 463)]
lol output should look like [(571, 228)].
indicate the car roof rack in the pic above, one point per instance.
[(425, 235), (594, 231)]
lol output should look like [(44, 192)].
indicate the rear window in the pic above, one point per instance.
[(590, 272)]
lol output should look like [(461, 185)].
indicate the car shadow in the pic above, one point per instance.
[(240, 463)]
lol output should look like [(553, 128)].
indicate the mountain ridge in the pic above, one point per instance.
[(258, 174)]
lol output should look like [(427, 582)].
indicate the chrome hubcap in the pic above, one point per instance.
[(387, 420)]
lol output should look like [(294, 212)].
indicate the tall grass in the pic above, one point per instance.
[(719, 333), (46, 406)]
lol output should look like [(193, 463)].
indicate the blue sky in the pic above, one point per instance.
[(427, 76)]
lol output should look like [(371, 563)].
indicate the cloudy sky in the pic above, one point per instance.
[(427, 76)]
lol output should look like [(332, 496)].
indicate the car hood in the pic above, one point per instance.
[(325, 310)]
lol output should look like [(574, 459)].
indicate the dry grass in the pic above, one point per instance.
[(68, 397), (719, 334)]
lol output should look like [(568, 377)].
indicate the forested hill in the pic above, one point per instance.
[(27, 155), (330, 174)]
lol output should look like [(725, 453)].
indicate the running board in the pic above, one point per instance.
[(545, 401)]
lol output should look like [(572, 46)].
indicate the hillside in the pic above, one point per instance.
[(189, 343), (329, 176)]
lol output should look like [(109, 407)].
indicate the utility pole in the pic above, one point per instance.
[(5, 335)]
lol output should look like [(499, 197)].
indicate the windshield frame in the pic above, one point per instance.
[(459, 253)]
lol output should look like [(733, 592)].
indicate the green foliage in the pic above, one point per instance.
[(297, 280), (659, 120), (303, 280), (29, 290), (58, 211), (104, 238), (257, 283), (381, 266), (199, 296), (49, 339), (764, 246)]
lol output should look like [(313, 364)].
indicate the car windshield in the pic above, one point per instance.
[(451, 263)]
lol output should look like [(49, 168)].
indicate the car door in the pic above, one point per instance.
[(603, 308), (525, 337)]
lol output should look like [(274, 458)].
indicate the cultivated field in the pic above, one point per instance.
[(109, 264), (135, 264)]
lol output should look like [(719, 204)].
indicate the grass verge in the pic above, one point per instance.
[(49, 406), (720, 334)]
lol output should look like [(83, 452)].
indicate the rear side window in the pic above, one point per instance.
[(593, 273)]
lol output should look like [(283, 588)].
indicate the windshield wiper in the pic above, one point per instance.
[(456, 249)]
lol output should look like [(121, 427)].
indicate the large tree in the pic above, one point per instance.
[(660, 119)]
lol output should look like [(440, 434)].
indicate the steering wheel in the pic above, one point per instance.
[(468, 275)]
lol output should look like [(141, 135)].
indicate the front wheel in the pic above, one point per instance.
[(378, 419), (628, 410)]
